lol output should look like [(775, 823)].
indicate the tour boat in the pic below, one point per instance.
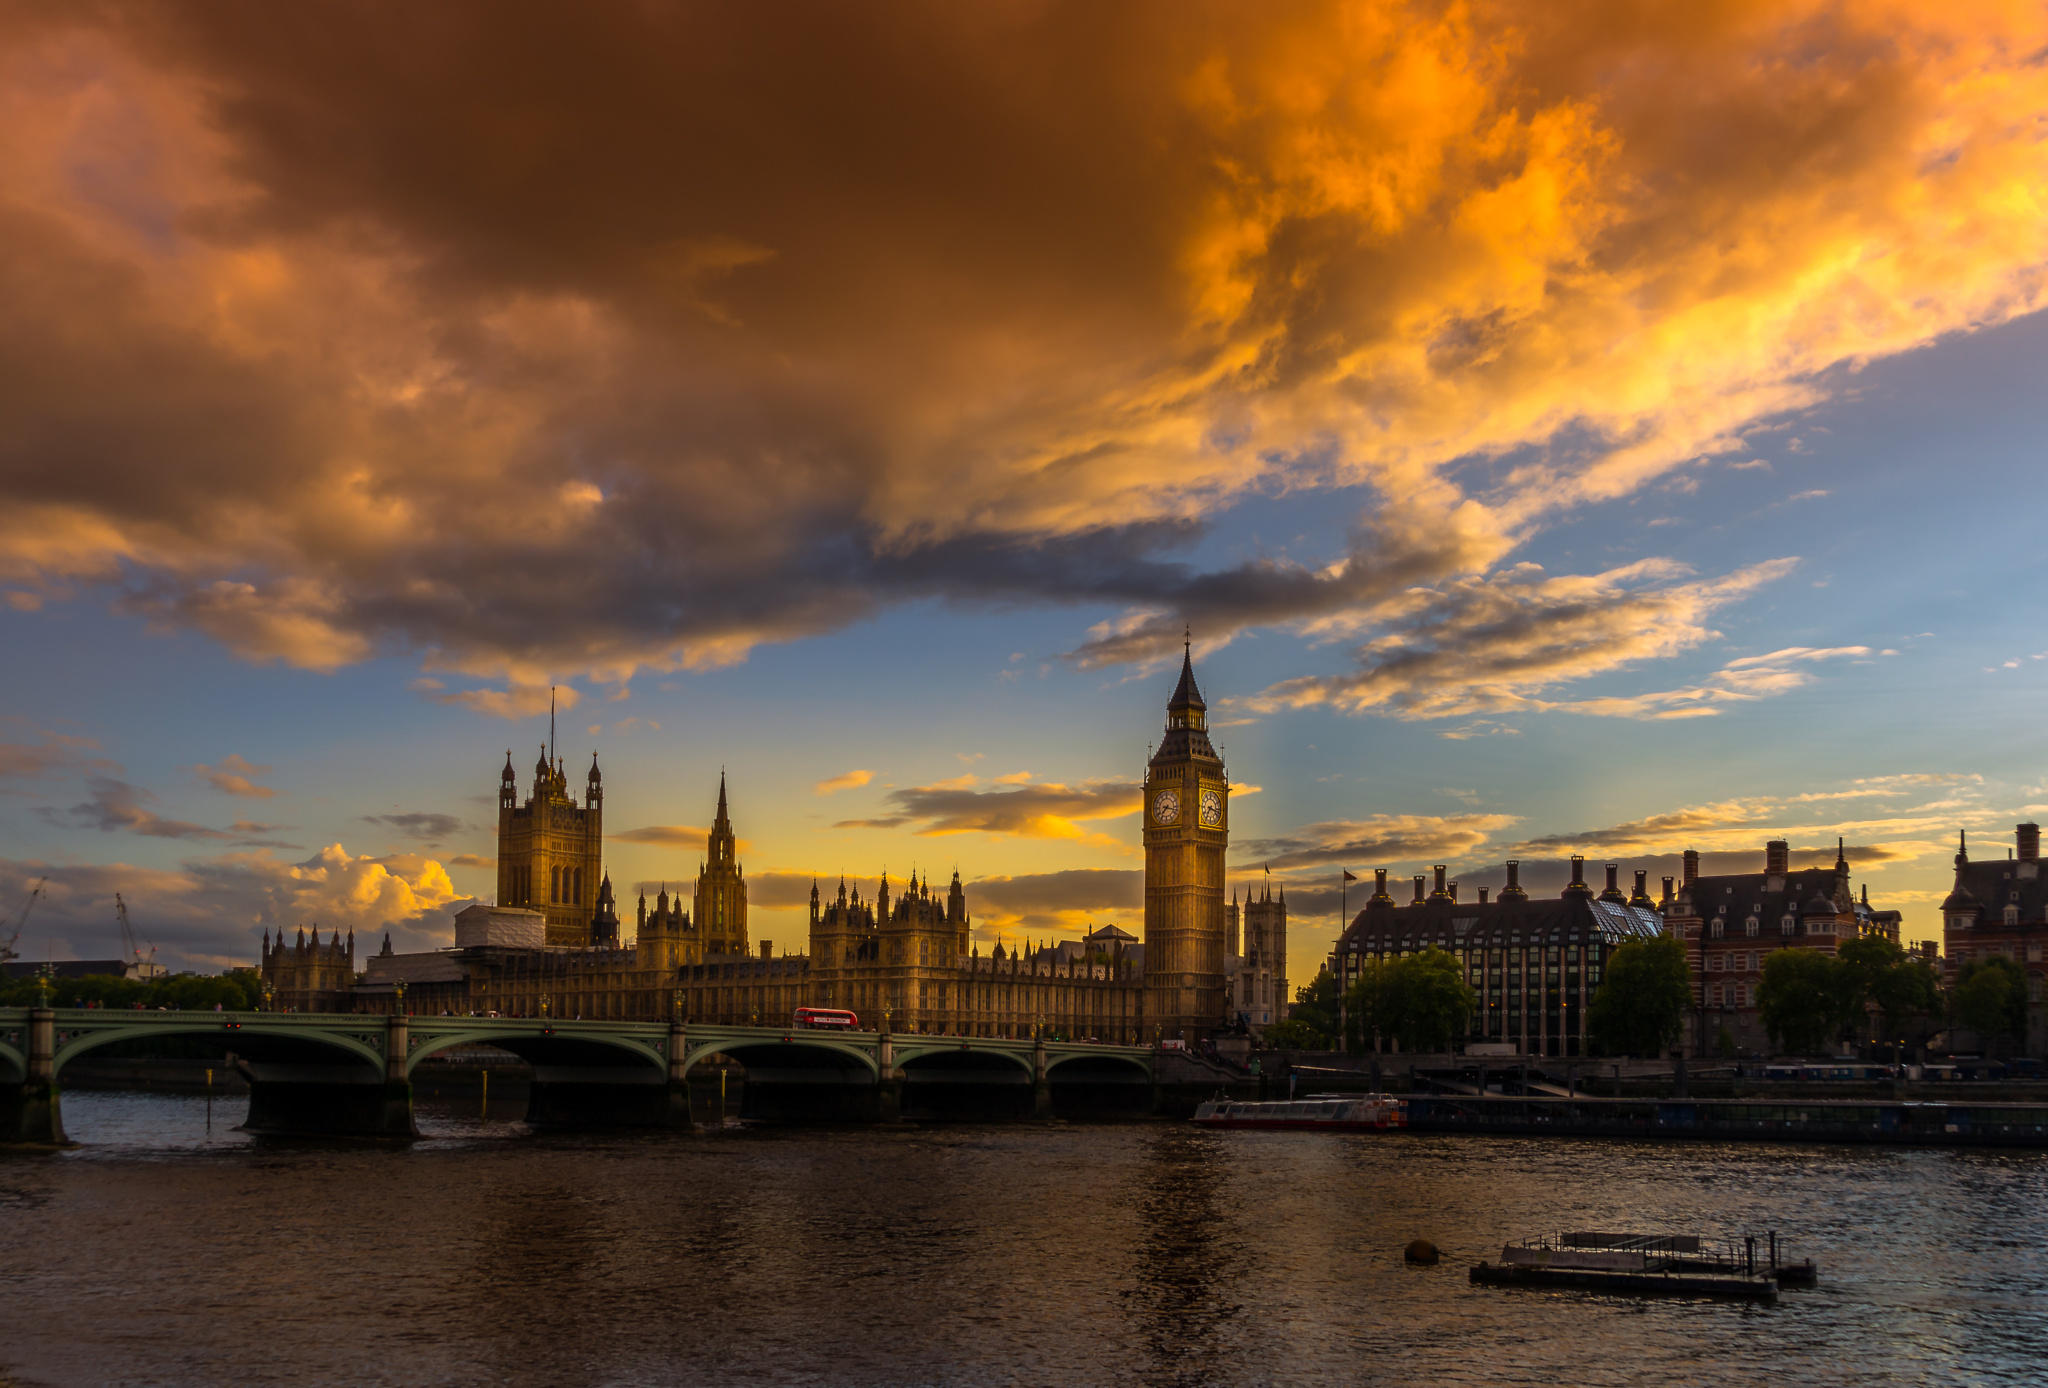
[(1351, 1113)]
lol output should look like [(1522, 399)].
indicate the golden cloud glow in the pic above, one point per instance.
[(294, 360)]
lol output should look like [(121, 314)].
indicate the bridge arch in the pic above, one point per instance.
[(13, 1063), (539, 1044), (253, 1039), (763, 1050), (955, 1056), (1098, 1068)]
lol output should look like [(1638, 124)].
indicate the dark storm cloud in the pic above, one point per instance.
[(537, 343), (116, 805), (1040, 897), (426, 826), (1009, 805), (50, 754), (1363, 844)]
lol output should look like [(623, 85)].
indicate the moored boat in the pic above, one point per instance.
[(1646, 1265), (1328, 1112)]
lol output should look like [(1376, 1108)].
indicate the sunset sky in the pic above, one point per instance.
[(1602, 428)]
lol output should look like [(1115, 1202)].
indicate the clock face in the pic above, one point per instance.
[(1166, 807), (1212, 808)]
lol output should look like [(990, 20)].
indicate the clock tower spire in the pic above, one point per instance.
[(1187, 829)]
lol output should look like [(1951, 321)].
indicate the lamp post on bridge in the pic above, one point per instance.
[(269, 996), (398, 992), (543, 1006)]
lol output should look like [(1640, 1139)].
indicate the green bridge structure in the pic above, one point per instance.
[(351, 1074)]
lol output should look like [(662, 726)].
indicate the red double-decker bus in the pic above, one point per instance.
[(827, 1019)]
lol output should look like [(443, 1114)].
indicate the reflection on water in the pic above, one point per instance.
[(1034, 1253)]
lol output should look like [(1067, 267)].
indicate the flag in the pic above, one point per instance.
[(1349, 876)]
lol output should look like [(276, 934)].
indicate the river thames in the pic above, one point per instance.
[(1142, 1253)]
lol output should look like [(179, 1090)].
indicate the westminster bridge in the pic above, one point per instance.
[(351, 1074)]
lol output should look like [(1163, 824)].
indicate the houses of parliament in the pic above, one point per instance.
[(904, 959)]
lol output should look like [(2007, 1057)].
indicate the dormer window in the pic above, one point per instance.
[(1751, 926), (1785, 923), (1714, 930), (2012, 915)]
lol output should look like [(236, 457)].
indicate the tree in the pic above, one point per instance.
[(1425, 1001), (1872, 972), (1291, 1035), (1365, 1011), (1800, 999), (1991, 999), (1315, 1007), (1640, 1006)]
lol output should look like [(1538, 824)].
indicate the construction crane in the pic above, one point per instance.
[(8, 953), (136, 965)]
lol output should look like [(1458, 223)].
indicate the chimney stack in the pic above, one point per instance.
[(1667, 891), (1613, 891), (1692, 866), (1419, 879), (1513, 890), (1379, 885), (1578, 885), (1777, 857), (1642, 892), (767, 949), (2030, 843), (1452, 891), (1482, 896), (1440, 881)]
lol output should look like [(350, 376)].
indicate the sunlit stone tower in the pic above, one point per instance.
[(551, 850), (721, 907), (1187, 823)]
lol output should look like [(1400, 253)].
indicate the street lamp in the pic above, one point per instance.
[(678, 1000), (398, 989), (269, 996), (543, 1004)]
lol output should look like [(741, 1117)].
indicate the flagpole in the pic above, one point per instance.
[(1343, 922)]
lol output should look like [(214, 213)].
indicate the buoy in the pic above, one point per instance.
[(1420, 1252)]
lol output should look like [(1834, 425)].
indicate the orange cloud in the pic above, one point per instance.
[(295, 361)]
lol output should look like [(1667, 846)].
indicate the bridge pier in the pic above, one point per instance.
[(1041, 1079), (30, 1114), (888, 1084), (577, 1093), (316, 1101)]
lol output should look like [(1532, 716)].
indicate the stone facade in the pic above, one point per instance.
[(551, 850), (306, 975), (907, 961), (1532, 964), (1999, 907), (1730, 923), (1258, 972)]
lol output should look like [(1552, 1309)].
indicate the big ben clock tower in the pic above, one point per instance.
[(1187, 827)]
